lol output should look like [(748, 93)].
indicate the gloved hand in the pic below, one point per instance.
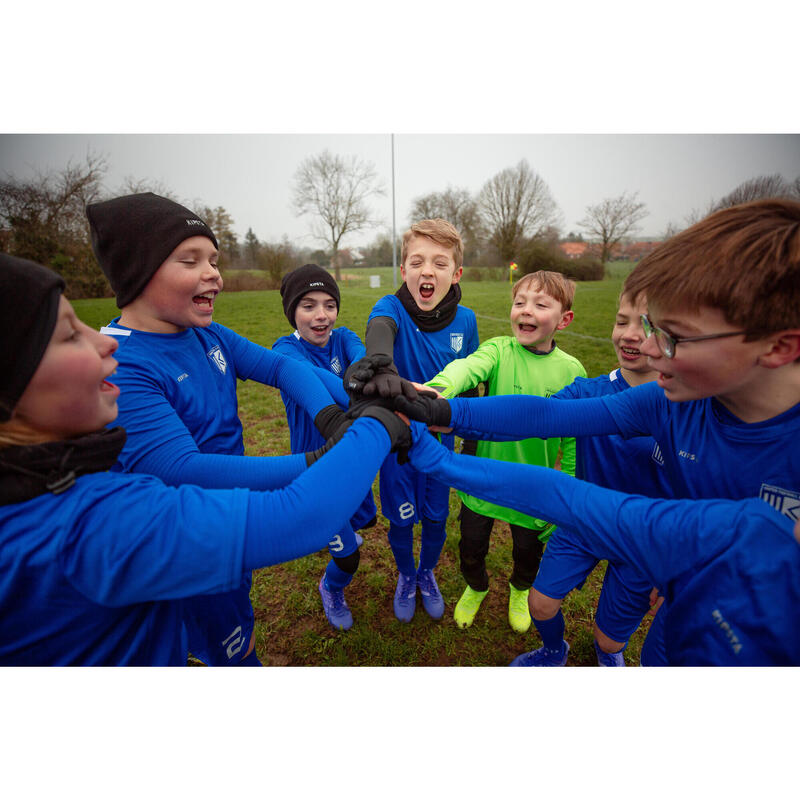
[(427, 407), (329, 420), (377, 374), (315, 455), (398, 431)]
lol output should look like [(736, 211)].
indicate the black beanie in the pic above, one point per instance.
[(305, 279), (133, 235), (28, 314)]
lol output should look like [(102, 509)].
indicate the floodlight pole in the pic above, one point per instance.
[(394, 238)]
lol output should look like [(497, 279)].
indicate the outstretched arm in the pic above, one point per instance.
[(662, 538)]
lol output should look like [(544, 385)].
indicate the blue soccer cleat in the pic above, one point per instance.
[(359, 540), (543, 657), (405, 597), (608, 659), (335, 607), (432, 600)]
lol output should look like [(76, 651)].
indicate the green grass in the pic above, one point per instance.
[(290, 626)]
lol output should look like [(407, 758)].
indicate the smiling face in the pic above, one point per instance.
[(315, 317), (536, 316), (429, 270), (627, 337), (182, 292), (68, 394), (724, 368)]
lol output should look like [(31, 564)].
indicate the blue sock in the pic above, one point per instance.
[(551, 630), (250, 661), (432, 540), (401, 540), (335, 577)]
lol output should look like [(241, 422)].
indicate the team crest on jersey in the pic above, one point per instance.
[(215, 354), (456, 342), (336, 365), (784, 500), (656, 455)]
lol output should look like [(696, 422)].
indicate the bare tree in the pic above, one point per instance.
[(458, 207), (613, 219), (516, 204), (335, 188), (45, 221), (757, 188)]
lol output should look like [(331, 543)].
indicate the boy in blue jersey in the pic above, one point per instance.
[(419, 330), (724, 337), (311, 304), (94, 564), (630, 465), (729, 569), (178, 372)]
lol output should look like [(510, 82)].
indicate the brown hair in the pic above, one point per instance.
[(743, 260), (553, 283), (441, 231)]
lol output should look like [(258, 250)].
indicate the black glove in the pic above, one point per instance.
[(398, 431), (427, 408), (361, 371), (387, 383), (315, 455), (329, 420)]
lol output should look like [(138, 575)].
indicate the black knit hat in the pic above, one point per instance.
[(28, 314), (301, 281), (133, 235)]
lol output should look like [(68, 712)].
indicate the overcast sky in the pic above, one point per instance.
[(251, 175)]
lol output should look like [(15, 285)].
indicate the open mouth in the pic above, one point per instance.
[(631, 353), (205, 300), (527, 328), (319, 329), (426, 291)]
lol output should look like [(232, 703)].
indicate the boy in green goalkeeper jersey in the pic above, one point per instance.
[(529, 362)]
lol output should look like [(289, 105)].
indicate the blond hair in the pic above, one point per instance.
[(441, 231), (551, 283)]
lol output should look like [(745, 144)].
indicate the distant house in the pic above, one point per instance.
[(636, 251), (573, 249)]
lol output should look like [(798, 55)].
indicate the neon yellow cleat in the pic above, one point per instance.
[(467, 607), (519, 617)]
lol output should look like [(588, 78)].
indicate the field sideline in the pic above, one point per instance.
[(290, 626)]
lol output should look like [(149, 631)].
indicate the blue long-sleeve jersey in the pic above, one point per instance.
[(343, 348), (419, 355), (96, 575), (730, 570), (630, 465), (179, 408)]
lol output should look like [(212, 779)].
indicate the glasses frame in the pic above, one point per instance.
[(668, 342)]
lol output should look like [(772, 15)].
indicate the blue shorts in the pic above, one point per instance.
[(624, 599), (343, 543), (366, 512), (219, 626), (654, 649), (407, 495)]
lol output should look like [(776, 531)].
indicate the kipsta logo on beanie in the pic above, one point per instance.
[(196, 222), (315, 283)]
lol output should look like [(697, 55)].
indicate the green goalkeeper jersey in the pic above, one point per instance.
[(508, 368)]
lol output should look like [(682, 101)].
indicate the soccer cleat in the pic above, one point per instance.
[(359, 540), (519, 617), (335, 607), (467, 607), (608, 659), (432, 600), (405, 597), (543, 657)]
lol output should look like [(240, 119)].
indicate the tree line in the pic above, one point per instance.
[(513, 217)]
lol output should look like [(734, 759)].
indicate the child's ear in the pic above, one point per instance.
[(566, 318), (784, 349), (457, 275)]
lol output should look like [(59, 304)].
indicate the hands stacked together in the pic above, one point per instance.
[(376, 390)]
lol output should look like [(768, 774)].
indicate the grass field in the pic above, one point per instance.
[(290, 626)]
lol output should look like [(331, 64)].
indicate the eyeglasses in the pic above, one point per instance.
[(667, 342)]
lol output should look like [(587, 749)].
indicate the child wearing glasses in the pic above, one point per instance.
[(724, 308)]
